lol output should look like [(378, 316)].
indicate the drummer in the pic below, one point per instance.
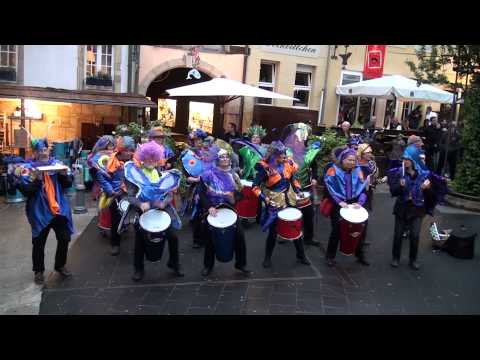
[(111, 180), (147, 158), (417, 190), (191, 199), (221, 185), (296, 138), (276, 174), (346, 184), (47, 207), (365, 160), (103, 146), (159, 136)]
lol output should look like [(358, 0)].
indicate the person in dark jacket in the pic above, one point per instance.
[(111, 180), (417, 191), (231, 132), (452, 152), (47, 206), (433, 134)]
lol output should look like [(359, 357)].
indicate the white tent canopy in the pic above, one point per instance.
[(404, 89), (227, 88)]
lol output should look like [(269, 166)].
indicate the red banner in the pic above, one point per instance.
[(374, 61)]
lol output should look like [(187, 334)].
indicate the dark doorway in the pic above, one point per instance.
[(181, 106), (91, 132)]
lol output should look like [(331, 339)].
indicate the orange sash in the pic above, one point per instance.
[(50, 191)]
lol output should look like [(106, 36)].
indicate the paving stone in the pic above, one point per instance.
[(309, 306), (334, 301), (336, 310), (227, 309), (283, 299), (199, 311), (282, 310), (148, 310), (175, 308), (204, 301)]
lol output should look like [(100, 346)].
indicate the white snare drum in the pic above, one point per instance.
[(247, 183), (303, 201), (225, 218), (355, 216), (155, 221)]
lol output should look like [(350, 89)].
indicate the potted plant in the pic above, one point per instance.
[(8, 74), (329, 141), (101, 79)]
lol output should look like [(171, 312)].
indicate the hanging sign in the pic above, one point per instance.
[(374, 61)]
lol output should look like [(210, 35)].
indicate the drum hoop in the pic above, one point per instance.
[(225, 227), (288, 208), (155, 210)]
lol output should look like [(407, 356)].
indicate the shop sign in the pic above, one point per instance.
[(374, 61), (295, 50)]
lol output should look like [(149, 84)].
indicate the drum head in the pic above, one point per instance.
[(246, 183), (225, 218), (306, 195), (290, 214), (155, 221), (123, 205), (355, 216)]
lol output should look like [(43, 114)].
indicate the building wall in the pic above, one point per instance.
[(286, 66), (50, 66), (66, 119)]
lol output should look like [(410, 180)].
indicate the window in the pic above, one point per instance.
[(303, 86), (99, 69), (349, 106), (8, 62), (266, 81)]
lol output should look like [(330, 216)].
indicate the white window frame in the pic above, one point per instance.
[(8, 60), (266, 84), (99, 64), (304, 69), (340, 81)]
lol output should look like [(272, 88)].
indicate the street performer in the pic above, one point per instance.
[(47, 206), (418, 190), (146, 190), (345, 184), (220, 186), (159, 135), (277, 175), (111, 180), (296, 139)]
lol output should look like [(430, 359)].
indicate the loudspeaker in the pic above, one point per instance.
[(461, 244)]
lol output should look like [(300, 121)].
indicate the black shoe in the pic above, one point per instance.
[(363, 261), (395, 263), (115, 250), (312, 242), (414, 265), (206, 271), (243, 270), (64, 272), (267, 263), (39, 278), (138, 275), (176, 269), (303, 260), (331, 262)]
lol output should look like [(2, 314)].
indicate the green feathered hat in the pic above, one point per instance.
[(256, 130)]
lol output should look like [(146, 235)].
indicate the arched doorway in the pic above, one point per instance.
[(183, 111)]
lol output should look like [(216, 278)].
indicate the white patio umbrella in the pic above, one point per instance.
[(230, 89), (402, 88)]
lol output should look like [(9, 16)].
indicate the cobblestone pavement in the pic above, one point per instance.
[(18, 293), (444, 285)]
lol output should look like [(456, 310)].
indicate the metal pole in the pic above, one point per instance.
[(22, 122)]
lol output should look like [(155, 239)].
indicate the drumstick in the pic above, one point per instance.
[(403, 169)]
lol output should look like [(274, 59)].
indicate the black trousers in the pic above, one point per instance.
[(116, 216), (139, 251), (272, 240), (59, 225), (452, 163), (198, 230), (401, 226), (240, 247), (259, 210), (307, 217), (334, 239)]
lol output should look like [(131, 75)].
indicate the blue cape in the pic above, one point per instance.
[(336, 183)]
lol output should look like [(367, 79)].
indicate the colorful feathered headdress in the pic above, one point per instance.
[(256, 130)]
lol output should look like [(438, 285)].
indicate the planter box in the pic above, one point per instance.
[(462, 201), (98, 82), (7, 74)]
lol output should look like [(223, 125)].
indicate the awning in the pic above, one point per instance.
[(75, 96)]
